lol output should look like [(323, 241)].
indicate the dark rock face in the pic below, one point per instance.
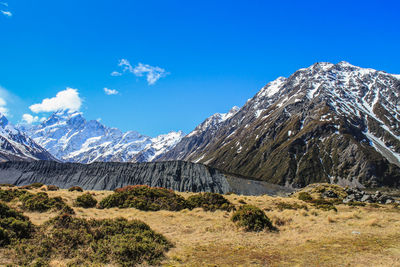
[(175, 175)]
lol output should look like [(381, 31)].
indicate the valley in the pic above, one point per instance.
[(305, 236)]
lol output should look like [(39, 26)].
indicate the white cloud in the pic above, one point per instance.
[(4, 4), (3, 102), (4, 111), (6, 13), (110, 91), (116, 73), (153, 74), (28, 118), (66, 99)]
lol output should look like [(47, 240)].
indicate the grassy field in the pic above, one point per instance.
[(352, 236)]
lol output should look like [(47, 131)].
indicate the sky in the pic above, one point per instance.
[(161, 66)]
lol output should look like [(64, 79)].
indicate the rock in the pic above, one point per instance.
[(349, 198), (329, 194), (382, 199), (358, 196), (389, 201), (366, 198), (346, 200), (176, 175)]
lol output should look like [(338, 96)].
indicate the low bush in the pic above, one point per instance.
[(323, 204), (75, 188), (209, 202), (25, 187), (319, 203), (290, 206), (356, 204), (7, 185), (41, 202), (8, 195), (304, 196), (144, 198), (13, 225), (52, 188), (36, 185), (251, 218), (94, 242), (85, 201)]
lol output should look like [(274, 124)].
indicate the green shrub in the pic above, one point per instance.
[(37, 185), (41, 202), (241, 201), (323, 204), (319, 203), (75, 188), (305, 196), (290, 206), (8, 195), (209, 202), (251, 218), (7, 185), (92, 242), (25, 187), (356, 204), (13, 225), (52, 188), (144, 198), (85, 201)]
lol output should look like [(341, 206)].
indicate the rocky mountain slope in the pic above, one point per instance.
[(199, 139), (16, 145), (175, 175), (326, 123), (71, 138)]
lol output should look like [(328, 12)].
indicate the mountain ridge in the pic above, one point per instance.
[(328, 122), (16, 145), (71, 138)]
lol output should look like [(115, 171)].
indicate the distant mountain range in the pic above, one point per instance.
[(16, 145), (71, 138), (333, 123)]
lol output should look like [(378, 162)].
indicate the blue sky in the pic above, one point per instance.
[(211, 55)]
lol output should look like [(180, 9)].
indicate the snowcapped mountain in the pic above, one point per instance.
[(15, 145), (158, 146), (70, 137), (328, 122), (199, 139)]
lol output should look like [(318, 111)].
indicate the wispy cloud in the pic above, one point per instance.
[(66, 99), (110, 91), (6, 13), (3, 103), (153, 74), (116, 73)]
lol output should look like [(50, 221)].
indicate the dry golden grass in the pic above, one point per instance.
[(353, 236)]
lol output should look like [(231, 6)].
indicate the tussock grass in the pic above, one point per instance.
[(202, 238)]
